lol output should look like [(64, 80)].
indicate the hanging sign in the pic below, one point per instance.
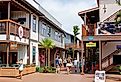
[(13, 46), (100, 76), (91, 44), (20, 32)]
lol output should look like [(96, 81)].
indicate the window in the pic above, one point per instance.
[(33, 54), (43, 29), (2, 27), (56, 35), (34, 23), (48, 31)]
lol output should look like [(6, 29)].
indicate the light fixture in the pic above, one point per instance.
[(104, 8), (118, 1)]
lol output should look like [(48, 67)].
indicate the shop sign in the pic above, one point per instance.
[(13, 46), (91, 44), (100, 76), (20, 32)]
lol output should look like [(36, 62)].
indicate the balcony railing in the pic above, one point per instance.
[(10, 27), (71, 45), (88, 30)]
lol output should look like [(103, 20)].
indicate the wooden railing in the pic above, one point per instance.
[(88, 30), (10, 27), (71, 45)]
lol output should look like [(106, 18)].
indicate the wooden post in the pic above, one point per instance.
[(100, 55), (8, 10), (7, 54), (82, 49), (8, 34)]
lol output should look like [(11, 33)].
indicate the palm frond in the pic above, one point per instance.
[(47, 43)]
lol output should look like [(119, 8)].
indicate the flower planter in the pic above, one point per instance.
[(13, 71)]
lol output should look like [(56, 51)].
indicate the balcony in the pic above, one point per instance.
[(10, 27), (88, 30), (71, 45)]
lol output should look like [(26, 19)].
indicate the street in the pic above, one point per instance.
[(49, 77)]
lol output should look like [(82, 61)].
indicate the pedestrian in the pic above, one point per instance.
[(75, 62), (57, 69), (60, 62), (21, 67), (68, 66), (57, 64), (64, 62)]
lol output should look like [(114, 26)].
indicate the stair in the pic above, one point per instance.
[(110, 66), (112, 69)]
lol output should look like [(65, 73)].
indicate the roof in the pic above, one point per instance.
[(89, 10)]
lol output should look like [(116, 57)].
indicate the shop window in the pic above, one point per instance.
[(34, 23), (33, 54)]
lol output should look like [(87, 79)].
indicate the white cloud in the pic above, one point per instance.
[(66, 11)]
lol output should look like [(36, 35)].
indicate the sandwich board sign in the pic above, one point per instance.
[(100, 76)]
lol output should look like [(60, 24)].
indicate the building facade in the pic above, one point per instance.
[(69, 46), (23, 24), (101, 36)]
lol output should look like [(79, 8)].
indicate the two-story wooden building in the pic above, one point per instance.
[(23, 24), (101, 36)]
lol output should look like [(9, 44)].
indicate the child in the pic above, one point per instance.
[(20, 67), (57, 69)]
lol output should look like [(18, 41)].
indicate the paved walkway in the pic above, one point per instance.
[(48, 77)]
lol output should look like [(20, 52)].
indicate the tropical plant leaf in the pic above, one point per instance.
[(47, 43)]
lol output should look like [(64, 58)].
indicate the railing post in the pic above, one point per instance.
[(82, 50), (100, 55), (8, 37)]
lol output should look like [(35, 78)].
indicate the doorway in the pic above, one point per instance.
[(12, 57), (91, 57), (116, 59)]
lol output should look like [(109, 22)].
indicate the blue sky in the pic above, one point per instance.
[(66, 11)]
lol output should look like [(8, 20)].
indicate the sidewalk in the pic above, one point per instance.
[(114, 77), (52, 77)]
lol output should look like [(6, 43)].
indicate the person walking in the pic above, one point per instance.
[(75, 62), (64, 62), (21, 67), (68, 66), (60, 62), (57, 65)]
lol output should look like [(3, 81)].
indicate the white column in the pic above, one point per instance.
[(78, 56), (37, 56)]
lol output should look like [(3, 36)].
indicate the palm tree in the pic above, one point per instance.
[(47, 43), (76, 32)]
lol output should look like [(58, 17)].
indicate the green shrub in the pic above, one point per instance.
[(46, 69), (119, 69)]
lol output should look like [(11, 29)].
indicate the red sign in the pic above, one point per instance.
[(20, 31)]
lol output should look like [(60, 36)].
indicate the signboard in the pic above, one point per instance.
[(90, 38), (91, 44), (108, 28), (100, 76), (13, 46), (20, 32), (118, 46)]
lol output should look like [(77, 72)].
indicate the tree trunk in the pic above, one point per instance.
[(74, 46), (48, 57)]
